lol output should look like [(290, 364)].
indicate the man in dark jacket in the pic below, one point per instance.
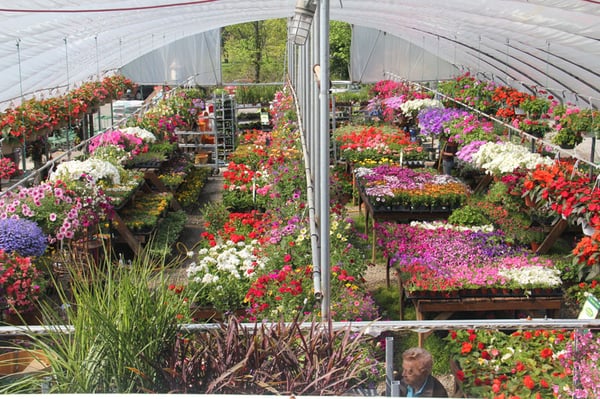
[(417, 381)]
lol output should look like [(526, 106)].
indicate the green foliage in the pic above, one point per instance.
[(125, 323), (468, 216), (162, 243), (388, 300), (254, 51), (255, 94), (340, 36)]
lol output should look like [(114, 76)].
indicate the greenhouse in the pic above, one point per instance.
[(303, 198)]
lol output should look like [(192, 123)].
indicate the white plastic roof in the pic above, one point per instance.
[(551, 43)]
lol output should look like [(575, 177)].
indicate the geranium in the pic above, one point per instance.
[(525, 364), (7, 168), (22, 236), (220, 276), (370, 142), (281, 293), (18, 281)]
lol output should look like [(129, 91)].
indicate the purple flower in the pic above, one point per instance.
[(22, 236)]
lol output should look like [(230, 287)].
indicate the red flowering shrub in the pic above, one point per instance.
[(18, 282)]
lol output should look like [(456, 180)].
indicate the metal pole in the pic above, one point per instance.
[(324, 161), (389, 365), (24, 150)]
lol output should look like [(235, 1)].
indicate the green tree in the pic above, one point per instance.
[(340, 36), (254, 51)]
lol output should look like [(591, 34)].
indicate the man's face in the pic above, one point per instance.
[(413, 373)]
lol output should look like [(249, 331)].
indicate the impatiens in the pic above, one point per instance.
[(395, 185), (523, 364), (439, 257)]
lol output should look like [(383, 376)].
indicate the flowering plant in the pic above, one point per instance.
[(59, 211), (22, 236), (129, 142), (220, 276), (433, 120), (582, 356), (471, 91), (7, 168), (18, 278), (98, 170), (505, 157), (395, 185), (411, 108), (358, 143), (524, 364), (508, 99), (442, 258), (468, 127)]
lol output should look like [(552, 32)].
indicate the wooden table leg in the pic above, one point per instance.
[(374, 241), (401, 289)]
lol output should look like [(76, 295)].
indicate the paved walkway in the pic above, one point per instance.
[(194, 226)]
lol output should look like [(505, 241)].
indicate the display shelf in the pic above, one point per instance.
[(201, 145), (225, 123), (119, 220)]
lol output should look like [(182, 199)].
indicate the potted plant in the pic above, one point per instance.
[(7, 169), (19, 282), (567, 138)]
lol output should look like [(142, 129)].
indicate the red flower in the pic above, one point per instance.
[(546, 353), (528, 382), (466, 348)]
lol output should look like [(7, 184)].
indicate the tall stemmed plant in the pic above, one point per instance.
[(125, 323)]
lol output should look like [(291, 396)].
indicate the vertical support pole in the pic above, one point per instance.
[(324, 161), (24, 151), (389, 366)]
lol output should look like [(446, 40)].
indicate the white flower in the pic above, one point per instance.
[(411, 107), (532, 276), (505, 157), (96, 168)]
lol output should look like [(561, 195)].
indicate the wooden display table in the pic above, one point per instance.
[(446, 307), (379, 215), (152, 183)]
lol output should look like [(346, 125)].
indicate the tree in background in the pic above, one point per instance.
[(254, 52), (340, 37)]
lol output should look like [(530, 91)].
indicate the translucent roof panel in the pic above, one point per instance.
[(46, 44)]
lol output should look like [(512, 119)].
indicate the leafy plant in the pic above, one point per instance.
[(283, 359), (468, 216), (125, 323)]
